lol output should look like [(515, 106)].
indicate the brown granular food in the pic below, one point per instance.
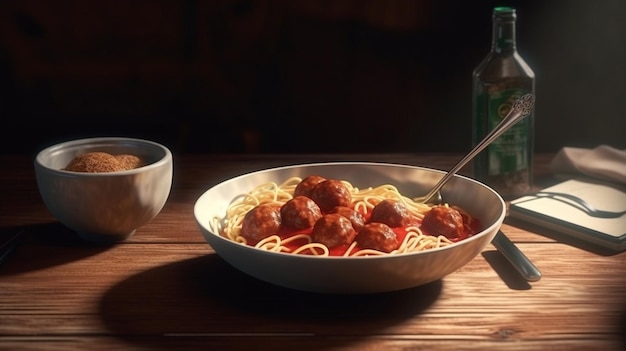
[(129, 161), (101, 162)]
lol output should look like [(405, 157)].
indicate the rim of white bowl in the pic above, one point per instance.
[(167, 154), (475, 237)]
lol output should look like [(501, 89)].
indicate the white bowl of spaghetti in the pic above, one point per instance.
[(300, 256)]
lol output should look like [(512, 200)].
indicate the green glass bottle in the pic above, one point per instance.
[(502, 77)]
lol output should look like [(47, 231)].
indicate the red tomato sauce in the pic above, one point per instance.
[(401, 232)]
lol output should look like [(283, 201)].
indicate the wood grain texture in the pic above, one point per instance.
[(165, 288)]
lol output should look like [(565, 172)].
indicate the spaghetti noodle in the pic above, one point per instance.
[(411, 237)]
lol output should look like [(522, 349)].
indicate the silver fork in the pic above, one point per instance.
[(580, 204)]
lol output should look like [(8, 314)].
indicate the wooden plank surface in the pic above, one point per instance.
[(165, 288), (184, 291)]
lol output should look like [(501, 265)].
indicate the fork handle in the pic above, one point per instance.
[(521, 108)]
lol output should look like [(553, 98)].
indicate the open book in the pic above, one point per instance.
[(555, 209)]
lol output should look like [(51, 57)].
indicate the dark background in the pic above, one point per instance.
[(298, 76)]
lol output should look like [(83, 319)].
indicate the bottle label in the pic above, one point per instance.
[(508, 153)]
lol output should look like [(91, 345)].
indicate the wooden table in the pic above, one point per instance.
[(165, 288)]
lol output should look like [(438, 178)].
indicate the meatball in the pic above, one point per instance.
[(444, 220), (377, 236), (331, 193), (260, 223), (300, 213), (392, 213), (355, 217), (307, 184), (333, 230)]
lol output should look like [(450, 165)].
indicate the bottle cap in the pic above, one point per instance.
[(504, 13), (503, 9)]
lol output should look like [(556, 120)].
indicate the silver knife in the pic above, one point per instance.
[(516, 257)]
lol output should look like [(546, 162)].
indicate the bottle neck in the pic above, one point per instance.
[(503, 36)]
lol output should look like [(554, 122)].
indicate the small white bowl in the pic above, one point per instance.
[(104, 207), (354, 275)]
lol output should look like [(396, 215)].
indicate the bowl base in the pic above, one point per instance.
[(104, 238)]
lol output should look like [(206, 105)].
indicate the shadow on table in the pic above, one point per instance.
[(35, 247), (208, 301), (505, 270)]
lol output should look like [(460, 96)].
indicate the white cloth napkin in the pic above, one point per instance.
[(603, 162)]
